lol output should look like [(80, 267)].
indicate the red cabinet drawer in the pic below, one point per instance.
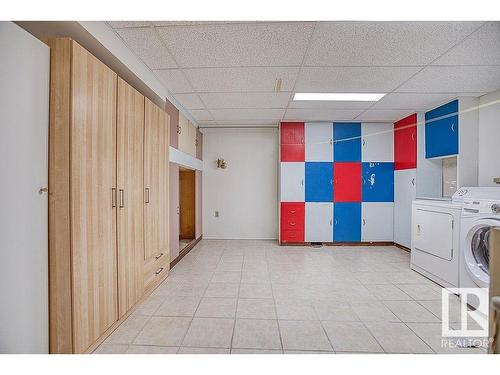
[(292, 141), (405, 143), (347, 182), (292, 221), (292, 236)]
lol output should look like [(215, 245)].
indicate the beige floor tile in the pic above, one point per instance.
[(226, 277), (388, 292), (111, 349), (411, 311), (293, 309), (373, 312), (350, 337), (256, 351), (128, 330), (255, 277), (259, 290), (421, 292), (256, 308), (149, 349), (217, 308), (334, 311), (178, 306), (397, 338), (150, 305), (163, 331), (435, 307), (226, 290), (187, 350), (303, 335), (256, 334), (307, 352), (209, 333)]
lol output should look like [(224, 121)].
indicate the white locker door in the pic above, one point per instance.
[(377, 142), (404, 195), (377, 221), (292, 182), (319, 141), (319, 222)]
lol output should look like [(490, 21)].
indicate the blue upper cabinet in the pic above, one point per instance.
[(347, 136), (319, 182), (441, 131)]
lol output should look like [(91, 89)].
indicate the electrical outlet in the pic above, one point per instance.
[(216, 213)]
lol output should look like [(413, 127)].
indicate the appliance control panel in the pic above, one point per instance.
[(481, 206)]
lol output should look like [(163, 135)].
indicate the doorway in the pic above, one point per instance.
[(187, 203)]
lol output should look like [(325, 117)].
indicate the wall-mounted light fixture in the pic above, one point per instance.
[(221, 163)]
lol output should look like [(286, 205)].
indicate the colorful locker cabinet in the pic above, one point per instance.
[(292, 141), (347, 222), (441, 131), (405, 143)]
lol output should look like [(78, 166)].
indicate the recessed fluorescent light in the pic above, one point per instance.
[(331, 96)]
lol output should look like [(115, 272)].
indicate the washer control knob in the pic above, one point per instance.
[(495, 207)]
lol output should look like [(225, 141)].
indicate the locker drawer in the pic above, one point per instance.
[(293, 152), (155, 268), (293, 211), (292, 236)]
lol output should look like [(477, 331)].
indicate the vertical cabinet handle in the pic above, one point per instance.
[(147, 195), (364, 142), (413, 181), (122, 203), (364, 222), (302, 182), (452, 126), (331, 222), (113, 197), (179, 129)]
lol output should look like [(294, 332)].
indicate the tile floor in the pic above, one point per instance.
[(259, 297)]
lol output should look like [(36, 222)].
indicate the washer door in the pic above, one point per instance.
[(477, 251)]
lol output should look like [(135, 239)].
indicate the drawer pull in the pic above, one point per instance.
[(292, 224), (158, 256), (159, 271), (292, 211)]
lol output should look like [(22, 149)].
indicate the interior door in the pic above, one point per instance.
[(130, 167), (319, 141), (404, 194), (319, 222), (93, 202), (187, 182)]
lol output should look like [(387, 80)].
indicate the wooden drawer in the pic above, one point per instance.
[(155, 269)]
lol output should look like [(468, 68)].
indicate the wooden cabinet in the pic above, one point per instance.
[(97, 255), (156, 144), (130, 213), (187, 136), (199, 144)]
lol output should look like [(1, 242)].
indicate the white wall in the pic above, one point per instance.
[(245, 193), (24, 125), (489, 139)]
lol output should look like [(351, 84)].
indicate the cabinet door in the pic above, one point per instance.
[(130, 167), (192, 139), (378, 182), (377, 142), (404, 194), (93, 203), (292, 222), (292, 182), (163, 182), (405, 143), (319, 181), (199, 144), (152, 175), (377, 221), (347, 222), (319, 141), (347, 182), (441, 131), (347, 141), (183, 133), (292, 141), (319, 222)]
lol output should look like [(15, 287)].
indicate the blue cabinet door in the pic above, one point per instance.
[(319, 182), (378, 182), (347, 222), (347, 146), (441, 131)]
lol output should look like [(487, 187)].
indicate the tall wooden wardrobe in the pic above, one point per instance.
[(108, 198)]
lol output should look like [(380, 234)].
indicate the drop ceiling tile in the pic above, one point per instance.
[(246, 100), (241, 79), (147, 46), (190, 101), (325, 114), (240, 123), (201, 115), (238, 44), (352, 79), (454, 79), (125, 24), (328, 104), (174, 80), (247, 114), (481, 48), (384, 43), (412, 101), (384, 115)]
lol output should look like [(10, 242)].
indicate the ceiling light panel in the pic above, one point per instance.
[(330, 96)]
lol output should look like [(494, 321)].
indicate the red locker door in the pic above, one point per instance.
[(347, 182), (292, 222), (292, 141), (405, 143)]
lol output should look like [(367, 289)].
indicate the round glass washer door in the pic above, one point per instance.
[(477, 253)]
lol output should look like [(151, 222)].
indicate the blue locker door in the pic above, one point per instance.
[(319, 182), (441, 131), (347, 222), (347, 146), (378, 182)]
